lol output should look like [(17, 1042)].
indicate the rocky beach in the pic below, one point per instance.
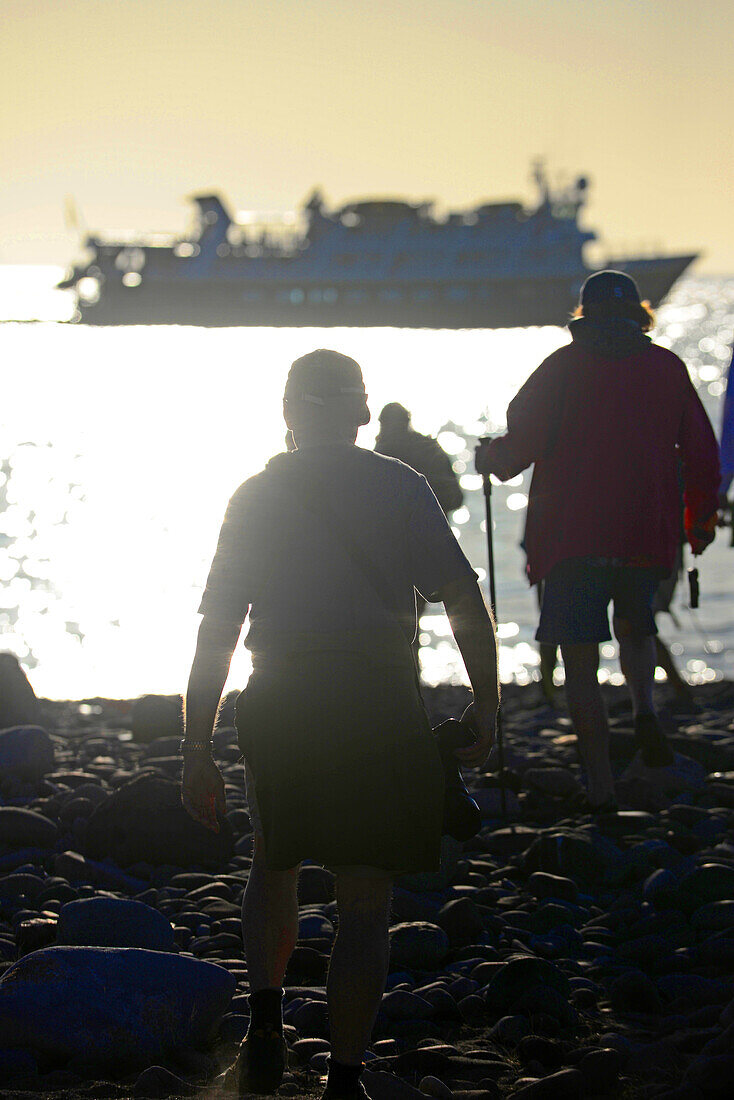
[(557, 954)]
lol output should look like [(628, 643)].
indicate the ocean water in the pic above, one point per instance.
[(119, 448)]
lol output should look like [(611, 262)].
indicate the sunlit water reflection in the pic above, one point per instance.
[(120, 448)]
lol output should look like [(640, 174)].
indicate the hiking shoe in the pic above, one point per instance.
[(652, 743), (261, 1062)]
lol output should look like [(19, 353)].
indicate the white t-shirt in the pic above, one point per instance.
[(279, 558)]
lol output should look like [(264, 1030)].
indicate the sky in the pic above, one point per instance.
[(127, 106)]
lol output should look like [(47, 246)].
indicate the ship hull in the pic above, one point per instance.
[(431, 304)]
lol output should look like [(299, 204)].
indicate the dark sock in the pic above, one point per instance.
[(343, 1078), (266, 1011)]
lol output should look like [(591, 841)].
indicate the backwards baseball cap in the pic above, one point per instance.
[(329, 380), (609, 286)]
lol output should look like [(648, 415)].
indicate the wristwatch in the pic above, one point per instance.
[(194, 746)]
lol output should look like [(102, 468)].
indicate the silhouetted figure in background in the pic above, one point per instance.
[(18, 703), (398, 439), (342, 766), (605, 419)]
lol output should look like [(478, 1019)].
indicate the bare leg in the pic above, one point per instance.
[(359, 962), (637, 661), (269, 921), (548, 655), (589, 718)]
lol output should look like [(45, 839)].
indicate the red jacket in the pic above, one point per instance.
[(608, 420)]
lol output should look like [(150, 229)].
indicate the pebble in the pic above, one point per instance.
[(99, 1003), (26, 752), (21, 828), (554, 954), (113, 922), (144, 820), (418, 945)]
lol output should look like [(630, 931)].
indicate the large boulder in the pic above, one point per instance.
[(26, 753), (144, 821), (417, 945), (21, 828), (518, 975), (117, 1007), (653, 789), (18, 703), (711, 882), (113, 922), (565, 853)]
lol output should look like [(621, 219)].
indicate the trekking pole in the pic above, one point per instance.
[(487, 487)]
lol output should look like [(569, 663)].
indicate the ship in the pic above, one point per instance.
[(377, 262)]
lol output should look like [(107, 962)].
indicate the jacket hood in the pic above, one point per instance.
[(613, 338)]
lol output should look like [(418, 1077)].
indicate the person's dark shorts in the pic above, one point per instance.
[(577, 593)]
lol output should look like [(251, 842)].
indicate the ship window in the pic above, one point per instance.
[(314, 295), (252, 294), (89, 289), (422, 294), (130, 259), (132, 278), (356, 295), (457, 293), (185, 249), (297, 296), (390, 294), (330, 295), (223, 249)]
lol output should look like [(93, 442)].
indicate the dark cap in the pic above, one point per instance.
[(609, 286), (328, 379)]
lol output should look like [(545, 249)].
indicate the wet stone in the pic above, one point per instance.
[(113, 922), (402, 1005), (22, 828), (461, 920), (417, 945), (635, 992), (543, 885), (564, 1085)]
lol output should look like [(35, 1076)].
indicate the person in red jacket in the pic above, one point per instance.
[(608, 420)]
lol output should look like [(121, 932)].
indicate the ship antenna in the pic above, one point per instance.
[(540, 179), (73, 218)]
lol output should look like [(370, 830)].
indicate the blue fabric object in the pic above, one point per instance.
[(114, 1006), (577, 593)]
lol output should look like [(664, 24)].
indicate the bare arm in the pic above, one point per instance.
[(474, 632), (202, 787), (214, 648)]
